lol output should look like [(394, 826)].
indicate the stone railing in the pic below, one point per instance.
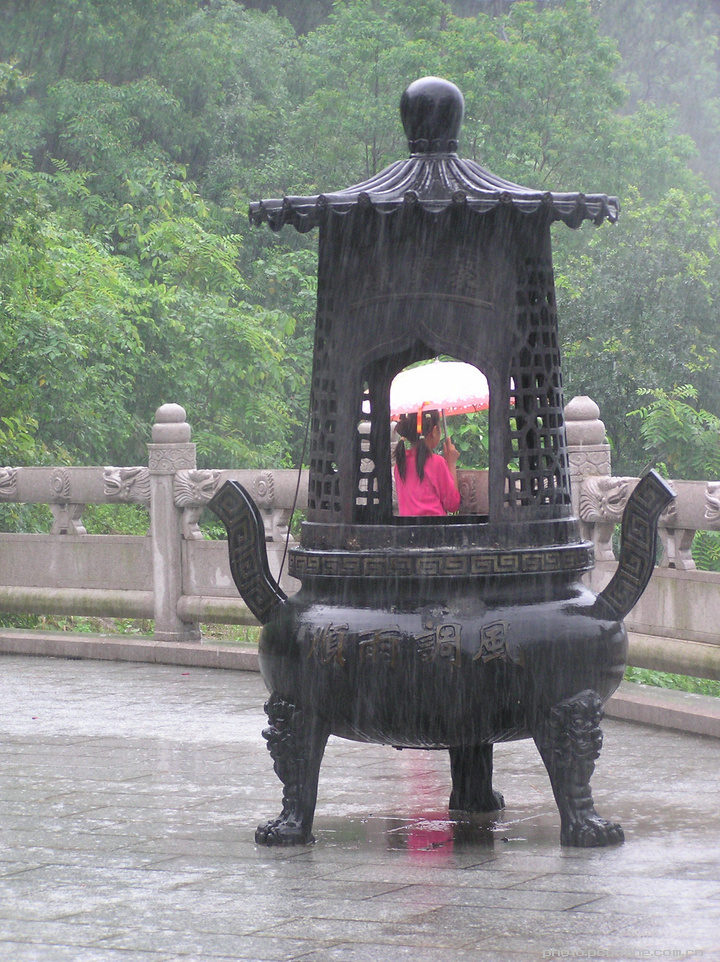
[(696, 508), (676, 624), (179, 578), (173, 574)]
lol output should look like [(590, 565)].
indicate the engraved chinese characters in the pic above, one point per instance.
[(434, 642)]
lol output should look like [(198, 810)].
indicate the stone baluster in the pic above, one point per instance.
[(67, 514), (275, 519), (680, 521), (67, 518), (171, 451), (677, 547)]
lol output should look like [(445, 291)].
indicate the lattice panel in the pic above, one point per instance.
[(324, 484), (367, 494), (537, 471)]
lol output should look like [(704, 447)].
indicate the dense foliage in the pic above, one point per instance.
[(133, 135)]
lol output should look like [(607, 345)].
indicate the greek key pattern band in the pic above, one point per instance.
[(438, 563), (637, 550), (248, 554)]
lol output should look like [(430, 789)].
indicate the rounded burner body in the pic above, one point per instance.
[(414, 650)]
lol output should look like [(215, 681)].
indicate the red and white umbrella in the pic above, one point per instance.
[(452, 387)]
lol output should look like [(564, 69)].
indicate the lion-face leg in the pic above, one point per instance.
[(569, 739)]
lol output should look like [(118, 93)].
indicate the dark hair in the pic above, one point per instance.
[(407, 427)]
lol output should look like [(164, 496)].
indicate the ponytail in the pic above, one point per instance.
[(423, 453), (407, 427), (400, 462)]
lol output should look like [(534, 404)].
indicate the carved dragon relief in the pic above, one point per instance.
[(602, 503), (712, 504), (603, 499), (193, 489), (8, 484), (127, 485)]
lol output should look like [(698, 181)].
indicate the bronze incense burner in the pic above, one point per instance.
[(454, 632)]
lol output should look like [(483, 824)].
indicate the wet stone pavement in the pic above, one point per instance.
[(129, 796)]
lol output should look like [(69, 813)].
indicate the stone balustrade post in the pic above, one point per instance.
[(171, 451), (588, 451), (588, 454)]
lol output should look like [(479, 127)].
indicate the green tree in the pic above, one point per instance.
[(87, 39), (540, 91), (639, 312), (94, 338), (69, 315), (670, 59), (125, 118), (132, 137), (347, 79), (679, 437), (227, 68)]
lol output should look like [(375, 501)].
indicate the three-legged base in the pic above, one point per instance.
[(568, 737)]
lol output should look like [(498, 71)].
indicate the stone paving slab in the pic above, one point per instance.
[(129, 795)]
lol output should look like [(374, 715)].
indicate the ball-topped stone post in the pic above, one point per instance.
[(588, 450), (171, 451)]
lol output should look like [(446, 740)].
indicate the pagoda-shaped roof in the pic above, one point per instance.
[(434, 177)]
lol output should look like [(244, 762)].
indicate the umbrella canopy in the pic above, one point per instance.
[(450, 386)]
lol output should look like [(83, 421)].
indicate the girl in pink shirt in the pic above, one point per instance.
[(426, 483)]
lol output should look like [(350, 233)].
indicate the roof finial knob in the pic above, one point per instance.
[(432, 110)]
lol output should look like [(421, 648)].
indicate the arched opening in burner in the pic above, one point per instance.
[(419, 379), (460, 394)]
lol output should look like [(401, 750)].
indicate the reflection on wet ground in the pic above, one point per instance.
[(129, 795)]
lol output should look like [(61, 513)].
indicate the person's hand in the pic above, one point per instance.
[(450, 452)]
